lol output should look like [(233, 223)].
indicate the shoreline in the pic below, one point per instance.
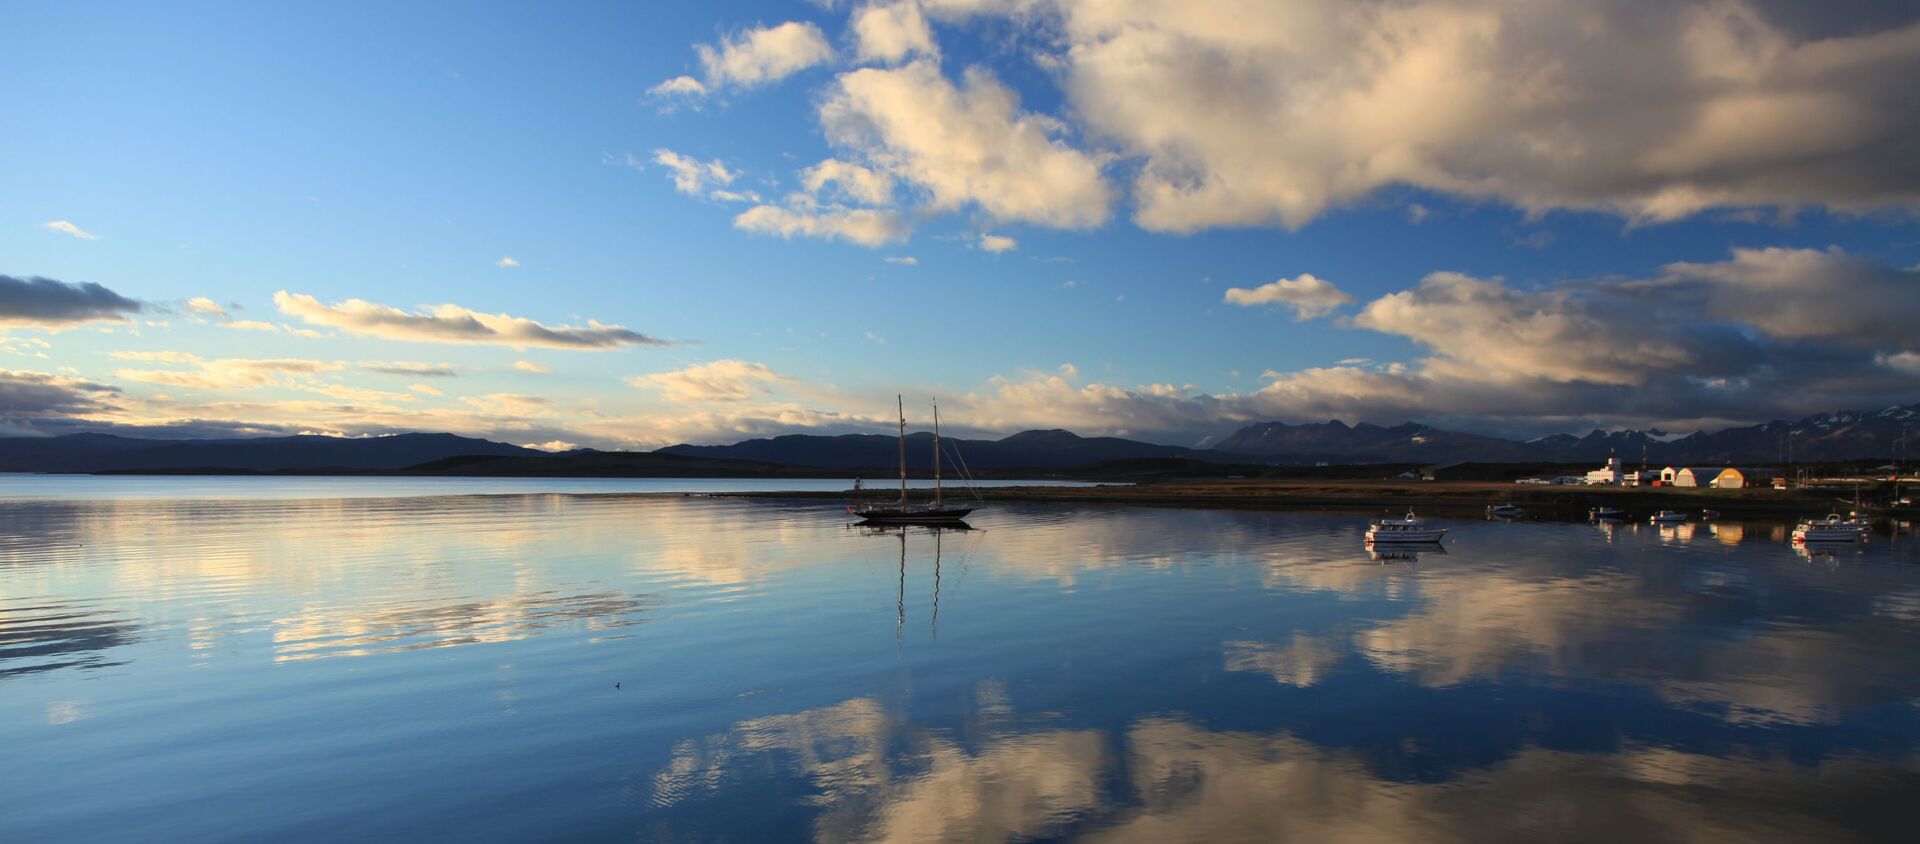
[(1435, 496)]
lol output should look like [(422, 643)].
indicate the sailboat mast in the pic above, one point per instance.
[(901, 405), (936, 454)]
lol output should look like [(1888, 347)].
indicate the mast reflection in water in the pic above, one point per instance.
[(446, 667)]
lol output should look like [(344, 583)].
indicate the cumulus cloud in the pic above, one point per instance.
[(856, 182), (67, 228), (1807, 294), (506, 262), (864, 226), (754, 57), (35, 302), (721, 380), (1482, 325), (455, 324), (530, 366), (1250, 114), (692, 176), (890, 32), (28, 397), (1308, 295), (965, 145), (679, 86), (996, 243), (206, 307)]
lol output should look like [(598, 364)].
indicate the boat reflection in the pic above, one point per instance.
[(1404, 553), (900, 598)]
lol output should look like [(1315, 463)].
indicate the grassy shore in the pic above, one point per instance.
[(1426, 496)]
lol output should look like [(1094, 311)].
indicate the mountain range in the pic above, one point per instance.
[(1849, 435)]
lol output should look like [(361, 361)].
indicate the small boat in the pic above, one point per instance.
[(904, 512), (1505, 511), (1667, 517), (1409, 529), (1607, 514), (1859, 521), (1830, 529), (1709, 514)]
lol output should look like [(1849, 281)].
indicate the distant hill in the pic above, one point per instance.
[(1336, 442), (1046, 450), (1848, 435), (107, 452), (600, 464)]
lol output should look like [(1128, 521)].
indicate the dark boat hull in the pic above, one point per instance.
[(942, 516)]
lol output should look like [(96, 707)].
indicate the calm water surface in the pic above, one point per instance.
[(445, 667)]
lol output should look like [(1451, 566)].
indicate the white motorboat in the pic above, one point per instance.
[(1505, 511), (1667, 517), (1830, 529), (1409, 529)]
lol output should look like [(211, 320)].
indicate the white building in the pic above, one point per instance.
[(1613, 474)]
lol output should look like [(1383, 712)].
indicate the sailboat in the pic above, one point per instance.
[(903, 512)]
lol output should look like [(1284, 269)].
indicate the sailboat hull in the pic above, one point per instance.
[(929, 516)]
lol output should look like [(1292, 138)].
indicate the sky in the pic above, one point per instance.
[(630, 225)]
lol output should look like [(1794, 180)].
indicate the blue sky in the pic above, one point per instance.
[(1614, 238)]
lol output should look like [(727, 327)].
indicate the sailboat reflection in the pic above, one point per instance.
[(900, 599), (1404, 553)]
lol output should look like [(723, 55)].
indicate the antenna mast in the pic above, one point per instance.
[(936, 454), (900, 404)]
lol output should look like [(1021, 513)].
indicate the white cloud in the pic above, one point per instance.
[(876, 339), (455, 324), (206, 307), (1250, 114), (64, 227), (1908, 362), (965, 145), (551, 445), (864, 226), (1807, 294), (530, 366), (271, 328), (903, 260), (1482, 326), (858, 183), (222, 373), (426, 390), (506, 262), (692, 176), (679, 86), (410, 368), (996, 243), (1308, 295), (760, 56), (890, 32), (721, 380), (159, 355)]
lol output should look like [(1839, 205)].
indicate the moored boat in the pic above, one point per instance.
[(1505, 511), (1607, 514), (1830, 529), (1409, 529), (904, 512), (1667, 517)]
